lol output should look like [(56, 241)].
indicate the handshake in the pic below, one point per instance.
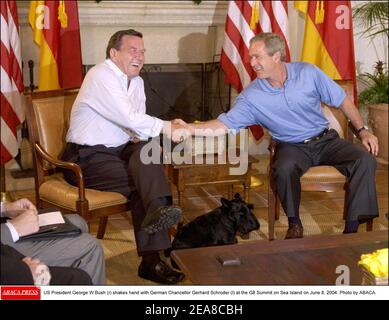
[(178, 130)]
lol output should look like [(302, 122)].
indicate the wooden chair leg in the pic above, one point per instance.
[(276, 207), (369, 225), (180, 200), (230, 191), (273, 195), (102, 227), (246, 192), (345, 206), (271, 213)]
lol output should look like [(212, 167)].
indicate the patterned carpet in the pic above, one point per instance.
[(321, 213)]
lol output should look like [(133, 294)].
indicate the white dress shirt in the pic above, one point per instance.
[(107, 111), (14, 234), (11, 228)]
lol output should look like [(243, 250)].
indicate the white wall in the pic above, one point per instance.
[(175, 31)]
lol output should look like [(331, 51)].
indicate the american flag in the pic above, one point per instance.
[(12, 113), (245, 19)]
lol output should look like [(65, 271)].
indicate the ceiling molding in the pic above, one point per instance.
[(144, 13)]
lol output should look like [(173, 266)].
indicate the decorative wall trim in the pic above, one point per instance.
[(144, 13)]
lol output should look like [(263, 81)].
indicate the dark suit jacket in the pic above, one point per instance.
[(14, 271)]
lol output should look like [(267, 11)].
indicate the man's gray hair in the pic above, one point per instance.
[(273, 43)]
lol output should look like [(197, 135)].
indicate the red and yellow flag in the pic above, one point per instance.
[(328, 38), (56, 31)]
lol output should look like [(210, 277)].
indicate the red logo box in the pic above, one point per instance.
[(20, 293)]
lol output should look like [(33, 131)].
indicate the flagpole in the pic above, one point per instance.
[(5, 196), (2, 180)]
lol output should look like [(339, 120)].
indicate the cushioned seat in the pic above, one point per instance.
[(323, 174), (58, 192)]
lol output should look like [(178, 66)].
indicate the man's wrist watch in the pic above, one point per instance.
[(361, 129)]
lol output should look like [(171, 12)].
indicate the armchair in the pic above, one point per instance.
[(48, 116)]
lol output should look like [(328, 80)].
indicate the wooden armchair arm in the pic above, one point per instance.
[(65, 165), (272, 148)]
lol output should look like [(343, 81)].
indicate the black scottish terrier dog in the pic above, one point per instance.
[(218, 227)]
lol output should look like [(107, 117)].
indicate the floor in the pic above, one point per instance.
[(321, 213)]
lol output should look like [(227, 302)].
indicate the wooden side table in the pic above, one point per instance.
[(192, 175)]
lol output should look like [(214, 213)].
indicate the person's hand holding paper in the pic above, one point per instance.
[(49, 218), (52, 225), (25, 223)]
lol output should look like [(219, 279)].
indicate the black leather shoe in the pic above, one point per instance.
[(161, 219), (160, 273), (295, 231)]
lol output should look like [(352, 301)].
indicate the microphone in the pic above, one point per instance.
[(31, 73)]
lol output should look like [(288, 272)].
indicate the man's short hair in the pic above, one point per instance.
[(273, 43), (116, 39)]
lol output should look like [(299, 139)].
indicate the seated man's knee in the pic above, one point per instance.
[(91, 245), (78, 221), (284, 169), (367, 161), (97, 248)]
